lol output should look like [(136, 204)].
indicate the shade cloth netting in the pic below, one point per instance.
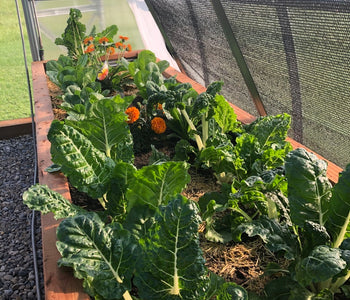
[(298, 53)]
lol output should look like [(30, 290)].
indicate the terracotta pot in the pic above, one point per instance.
[(59, 282)]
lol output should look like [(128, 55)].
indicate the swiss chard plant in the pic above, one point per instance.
[(155, 250), (314, 238)]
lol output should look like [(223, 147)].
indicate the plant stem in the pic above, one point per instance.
[(342, 233), (298, 237), (205, 129), (127, 296), (244, 214), (103, 201), (196, 136), (339, 282)]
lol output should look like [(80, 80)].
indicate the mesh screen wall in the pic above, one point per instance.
[(297, 53)]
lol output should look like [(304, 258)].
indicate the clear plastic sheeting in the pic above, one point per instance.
[(298, 53)]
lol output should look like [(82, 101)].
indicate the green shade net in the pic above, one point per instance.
[(298, 53)]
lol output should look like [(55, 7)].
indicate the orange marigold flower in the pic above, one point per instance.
[(133, 114), (159, 106), (103, 40), (110, 50), (103, 73), (128, 48), (119, 45), (158, 125), (124, 38), (90, 48), (88, 39)]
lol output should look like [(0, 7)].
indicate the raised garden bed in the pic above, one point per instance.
[(59, 282)]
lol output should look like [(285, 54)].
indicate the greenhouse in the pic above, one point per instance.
[(180, 149)]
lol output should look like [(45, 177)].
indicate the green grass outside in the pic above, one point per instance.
[(14, 97)]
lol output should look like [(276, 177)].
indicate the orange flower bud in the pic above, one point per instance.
[(158, 125), (133, 114), (88, 39), (90, 48), (103, 40), (110, 50), (123, 38)]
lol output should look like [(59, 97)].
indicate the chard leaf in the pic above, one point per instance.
[(309, 189), (106, 128), (157, 184), (270, 129), (281, 287), (212, 233), (339, 209), (215, 283), (116, 200), (232, 291), (109, 32), (172, 266), (225, 115), (314, 235), (322, 263), (276, 236), (88, 169), (100, 254), (42, 198)]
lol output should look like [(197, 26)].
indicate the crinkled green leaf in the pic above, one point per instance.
[(107, 129), (215, 283), (280, 289), (309, 189), (270, 129), (314, 235), (42, 198), (276, 236), (213, 232), (232, 291), (172, 266), (88, 169), (109, 32), (157, 184), (338, 215), (322, 263), (225, 115), (100, 254), (116, 201)]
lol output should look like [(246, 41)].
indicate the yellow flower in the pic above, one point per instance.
[(133, 114), (158, 125)]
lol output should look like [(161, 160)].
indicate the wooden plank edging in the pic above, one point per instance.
[(59, 283), (16, 127)]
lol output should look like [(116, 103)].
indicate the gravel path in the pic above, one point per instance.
[(17, 279)]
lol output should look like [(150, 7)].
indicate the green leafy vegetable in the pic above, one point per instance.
[(157, 184), (172, 264), (88, 169), (40, 197), (309, 189), (100, 254)]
